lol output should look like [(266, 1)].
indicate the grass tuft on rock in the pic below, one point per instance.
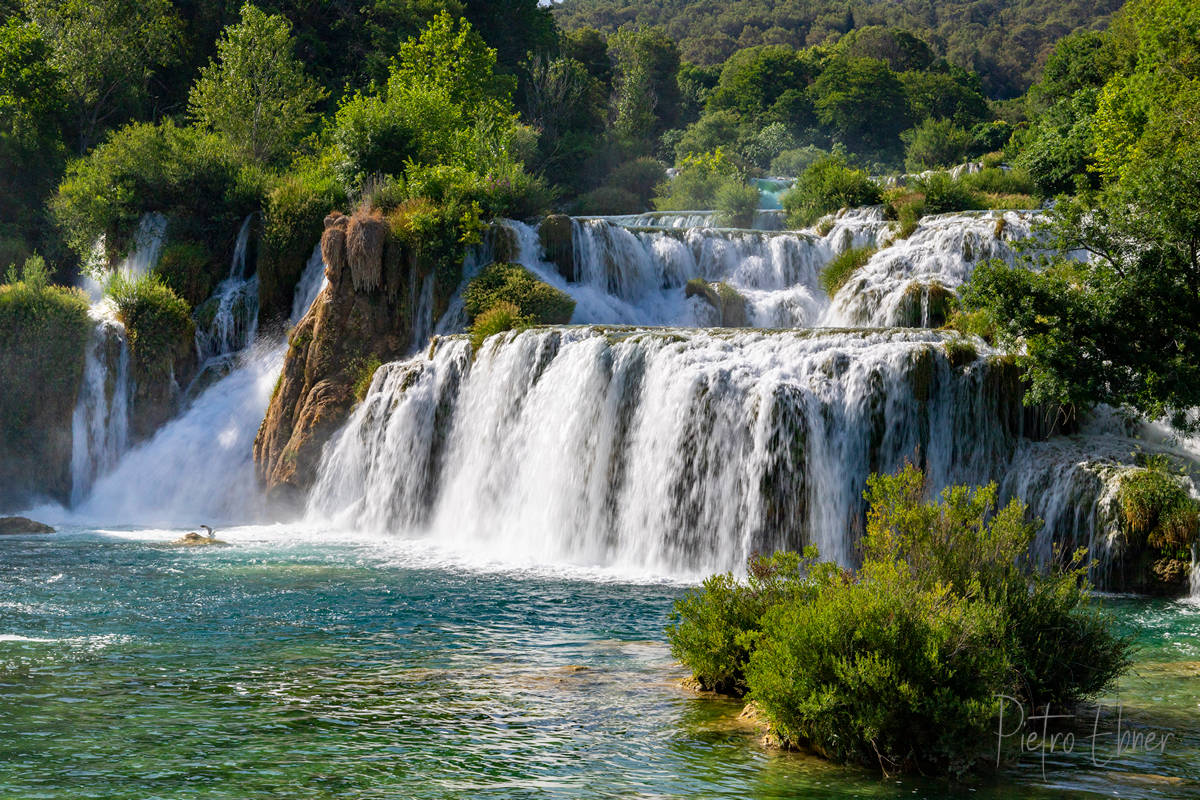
[(842, 267)]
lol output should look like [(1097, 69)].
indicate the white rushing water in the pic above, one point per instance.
[(228, 321), (628, 274), (672, 451), (100, 422), (198, 468)]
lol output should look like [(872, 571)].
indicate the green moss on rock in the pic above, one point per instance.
[(729, 303), (44, 332), (534, 299)]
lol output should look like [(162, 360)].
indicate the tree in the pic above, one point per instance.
[(646, 95), (755, 79), (256, 94), (934, 143), (106, 52), (863, 102), (450, 55)]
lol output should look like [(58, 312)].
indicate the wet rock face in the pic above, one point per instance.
[(365, 315), (11, 526)]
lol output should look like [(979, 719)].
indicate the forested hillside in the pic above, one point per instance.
[(1005, 42)]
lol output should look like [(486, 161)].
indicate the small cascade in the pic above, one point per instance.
[(100, 422), (312, 282), (227, 322), (148, 242), (908, 283), (672, 451), (199, 466)]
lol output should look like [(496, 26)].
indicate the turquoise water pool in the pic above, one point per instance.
[(295, 665)]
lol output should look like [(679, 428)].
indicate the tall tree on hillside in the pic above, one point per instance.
[(646, 96), (256, 94), (106, 51)]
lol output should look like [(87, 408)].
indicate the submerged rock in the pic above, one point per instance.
[(19, 525), (197, 540)]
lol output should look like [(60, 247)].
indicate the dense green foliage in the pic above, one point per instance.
[(157, 322), (1124, 327), (43, 332), (1002, 41), (828, 185), (900, 664)]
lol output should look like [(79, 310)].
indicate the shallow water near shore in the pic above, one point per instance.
[(308, 664)]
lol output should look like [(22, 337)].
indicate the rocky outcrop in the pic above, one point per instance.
[(12, 526), (364, 317)]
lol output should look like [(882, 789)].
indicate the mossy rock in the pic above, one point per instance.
[(729, 303), (44, 335), (926, 305), (535, 300), (556, 234), (17, 526)]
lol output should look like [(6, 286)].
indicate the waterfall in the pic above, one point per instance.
[(673, 451), (228, 321), (312, 281), (893, 288), (199, 466), (631, 275), (100, 422)]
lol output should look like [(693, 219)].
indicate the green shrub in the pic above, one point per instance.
[(709, 626), (608, 200), (827, 186), (944, 194), (736, 204), (293, 220), (843, 267), (696, 185), (933, 144), (158, 325), (189, 175), (901, 665), (499, 317), (1160, 520), (639, 178), (187, 268), (535, 300), (994, 180), (881, 671)]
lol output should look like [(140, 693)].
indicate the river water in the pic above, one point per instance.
[(307, 663)]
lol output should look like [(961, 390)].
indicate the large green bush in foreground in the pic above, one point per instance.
[(900, 665)]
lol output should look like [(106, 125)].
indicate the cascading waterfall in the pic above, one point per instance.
[(894, 287), (228, 321), (627, 275), (669, 450), (199, 466), (100, 422)]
